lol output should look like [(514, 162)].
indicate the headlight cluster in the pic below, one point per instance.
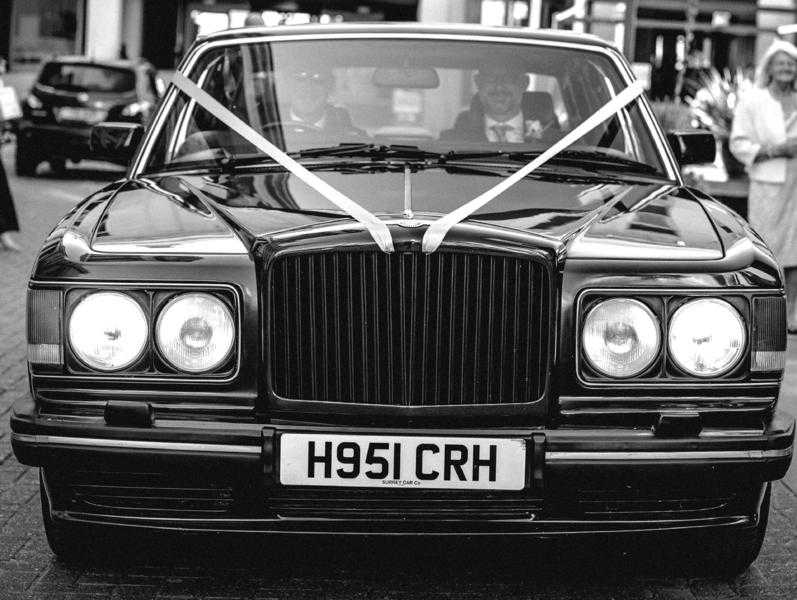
[(109, 331), (195, 332), (707, 337), (621, 337)]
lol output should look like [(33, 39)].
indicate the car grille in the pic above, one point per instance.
[(409, 329), (402, 504)]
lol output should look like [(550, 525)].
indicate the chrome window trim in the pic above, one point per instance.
[(665, 153), (151, 285)]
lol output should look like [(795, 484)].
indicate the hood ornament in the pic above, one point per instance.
[(408, 214)]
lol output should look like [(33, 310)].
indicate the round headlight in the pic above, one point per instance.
[(707, 337), (108, 331), (195, 332), (621, 337)]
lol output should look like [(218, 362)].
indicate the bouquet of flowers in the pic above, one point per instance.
[(716, 98), (713, 105)]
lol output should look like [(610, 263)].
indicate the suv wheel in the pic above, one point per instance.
[(26, 162)]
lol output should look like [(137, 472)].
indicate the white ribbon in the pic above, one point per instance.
[(377, 228), (437, 230)]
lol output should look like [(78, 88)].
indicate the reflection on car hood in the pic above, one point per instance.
[(224, 213)]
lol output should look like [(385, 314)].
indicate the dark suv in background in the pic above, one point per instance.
[(71, 95)]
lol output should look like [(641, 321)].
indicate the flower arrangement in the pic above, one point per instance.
[(713, 105), (716, 99)]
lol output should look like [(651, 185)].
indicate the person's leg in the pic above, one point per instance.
[(7, 242), (791, 298), (8, 216)]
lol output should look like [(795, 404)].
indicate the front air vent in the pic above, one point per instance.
[(143, 495)]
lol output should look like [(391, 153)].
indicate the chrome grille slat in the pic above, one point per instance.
[(408, 329)]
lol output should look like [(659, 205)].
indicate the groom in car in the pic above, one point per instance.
[(309, 106), (502, 111)]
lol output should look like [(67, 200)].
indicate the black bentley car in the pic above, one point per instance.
[(397, 279), (73, 93)]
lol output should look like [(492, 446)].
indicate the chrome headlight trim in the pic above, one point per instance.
[(226, 317), (141, 337), (653, 328), (716, 304)]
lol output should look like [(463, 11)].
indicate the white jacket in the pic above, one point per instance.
[(758, 121)]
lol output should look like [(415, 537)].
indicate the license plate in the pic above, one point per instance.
[(402, 461), (85, 115)]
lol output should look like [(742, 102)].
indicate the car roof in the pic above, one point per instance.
[(550, 35), (88, 60)]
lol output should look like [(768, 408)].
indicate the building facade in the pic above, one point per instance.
[(676, 36), (671, 36), (162, 30)]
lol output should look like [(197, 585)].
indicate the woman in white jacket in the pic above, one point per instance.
[(764, 138)]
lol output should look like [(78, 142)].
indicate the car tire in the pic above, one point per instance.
[(729, 553), (71, 542), (26, 162)]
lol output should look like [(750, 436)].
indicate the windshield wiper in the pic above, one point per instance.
[(370, 150), (595, 158), (457, 155), (604, 159)]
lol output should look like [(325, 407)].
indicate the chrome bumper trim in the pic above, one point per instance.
[(45, 440), (550, 457), (674, 455)]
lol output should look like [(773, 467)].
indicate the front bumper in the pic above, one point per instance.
[(52, 139), (578, 480)]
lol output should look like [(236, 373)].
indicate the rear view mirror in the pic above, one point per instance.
[(406, 78), (692, 147), (115, 142)]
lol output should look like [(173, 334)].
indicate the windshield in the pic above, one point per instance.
[(86, 78), (460, 98)]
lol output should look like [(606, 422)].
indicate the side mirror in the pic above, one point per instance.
[(115, 142), (692, 147)]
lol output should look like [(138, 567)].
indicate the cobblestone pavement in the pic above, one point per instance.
[(312, 568)]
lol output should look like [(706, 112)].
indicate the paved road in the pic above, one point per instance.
[(204, 568)]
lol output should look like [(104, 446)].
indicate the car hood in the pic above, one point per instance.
[(580, 217)]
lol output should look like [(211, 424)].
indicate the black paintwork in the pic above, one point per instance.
[(600, 235), (634, 235), (693, 147)]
